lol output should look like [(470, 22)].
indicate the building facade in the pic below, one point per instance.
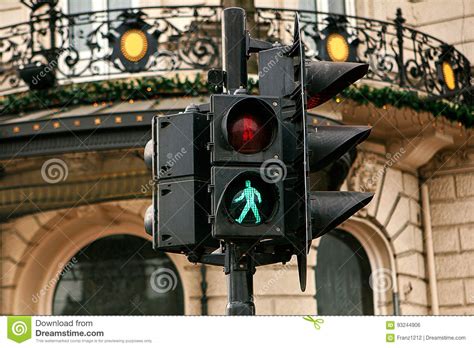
[(74, 188)]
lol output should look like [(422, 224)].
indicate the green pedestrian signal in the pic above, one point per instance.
[(248, 201), (252, 197)]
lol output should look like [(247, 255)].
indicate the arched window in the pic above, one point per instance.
[(342, 276), (119, 275)]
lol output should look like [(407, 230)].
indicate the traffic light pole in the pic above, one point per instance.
[(239, 265), (234, 48), (239, 268)]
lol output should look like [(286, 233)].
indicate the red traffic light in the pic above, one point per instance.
[(250, 126), (248, 134)]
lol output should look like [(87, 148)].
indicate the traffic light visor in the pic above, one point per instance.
[(326, 79)]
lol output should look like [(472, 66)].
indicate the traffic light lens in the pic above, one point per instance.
[(248, 134), (250, 126), (250, 201)]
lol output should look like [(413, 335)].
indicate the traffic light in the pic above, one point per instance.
[(231, 178), (177, 155), (312, 83), (254, 145)]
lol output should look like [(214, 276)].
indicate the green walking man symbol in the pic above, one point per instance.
[(249, 193)]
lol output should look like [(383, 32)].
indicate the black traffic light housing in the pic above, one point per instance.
[(238, 195), (178, 217), (256, 138), (313, 83)]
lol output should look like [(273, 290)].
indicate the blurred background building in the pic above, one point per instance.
[(80, 81)]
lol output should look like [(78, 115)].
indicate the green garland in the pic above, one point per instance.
[(102, 91), (159, 87), (381, 97)]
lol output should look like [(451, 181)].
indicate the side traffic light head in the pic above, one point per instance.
[(326, 79), (328, 143)]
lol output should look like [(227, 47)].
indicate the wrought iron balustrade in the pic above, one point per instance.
[(54, 46), (396, 54), (91, 45)]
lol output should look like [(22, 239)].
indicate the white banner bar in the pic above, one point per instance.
[(259, 331)]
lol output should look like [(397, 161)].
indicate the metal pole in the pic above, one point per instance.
[(234, 53), (239, 268), (399, 20), (204, 290)]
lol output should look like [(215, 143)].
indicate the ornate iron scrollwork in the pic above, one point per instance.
[(112, 42), (395, 53), (163, 39)]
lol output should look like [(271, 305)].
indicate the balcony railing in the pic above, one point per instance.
[(55, 47)]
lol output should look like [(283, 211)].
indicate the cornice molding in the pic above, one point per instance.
[(460, 160)]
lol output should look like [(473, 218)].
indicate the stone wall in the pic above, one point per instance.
[(395, 211), (33, 248), (450, 179), (34, 245)]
